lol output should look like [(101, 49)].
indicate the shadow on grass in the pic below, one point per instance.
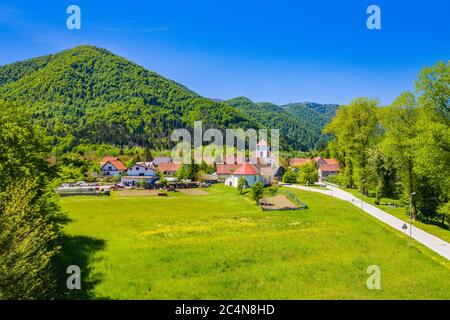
[(79, 250), (436, 223)]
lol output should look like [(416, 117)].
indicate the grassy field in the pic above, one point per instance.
[(222, 246), (433, 227)]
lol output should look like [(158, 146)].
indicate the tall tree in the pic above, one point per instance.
[(399, 143), (29, 230), (354, 130), (433, 143), (148, 154)]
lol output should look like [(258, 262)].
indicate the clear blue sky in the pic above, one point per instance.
[(279, 51)]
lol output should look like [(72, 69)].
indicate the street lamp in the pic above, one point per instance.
[(410, 216)]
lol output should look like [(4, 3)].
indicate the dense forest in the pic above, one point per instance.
[(300, 124), (401, 151), (89, 96)]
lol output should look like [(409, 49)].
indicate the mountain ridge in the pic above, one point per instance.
[(90, 95)]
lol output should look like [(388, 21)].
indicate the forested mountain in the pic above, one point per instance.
[(300, 126), (87, 95), (326, 110)]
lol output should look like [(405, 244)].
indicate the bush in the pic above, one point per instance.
[(338, 179), (290, 176), (307, 173), (242, 183), (444, 211), (257, 191), (271, 191)]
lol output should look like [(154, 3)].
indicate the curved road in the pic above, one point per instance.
[(432, 242)]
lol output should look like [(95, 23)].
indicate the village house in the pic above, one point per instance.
[(260, 168), (247, 170), (267, 175), (168, 169), (325, 166), (111, 166), (223, 171), (296, 162), (140, 171), (327, 170)]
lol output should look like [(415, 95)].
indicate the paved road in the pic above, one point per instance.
[(434, 243)]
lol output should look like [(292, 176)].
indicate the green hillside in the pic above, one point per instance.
[(300, 125), (328, 111), (87, 95)]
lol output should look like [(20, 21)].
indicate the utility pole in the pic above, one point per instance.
[(410, 216)]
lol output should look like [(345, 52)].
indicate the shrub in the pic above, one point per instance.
[(257, 191), (290, 176), (307, 173)]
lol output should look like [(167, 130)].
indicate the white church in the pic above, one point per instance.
[(258, 169)]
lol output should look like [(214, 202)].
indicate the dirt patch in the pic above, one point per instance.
[(134, 193), (278, 202), (193, 192)]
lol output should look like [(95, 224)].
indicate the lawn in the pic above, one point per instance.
[(222, 246), (433, 227)]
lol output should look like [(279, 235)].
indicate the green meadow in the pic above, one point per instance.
[(222, 246)]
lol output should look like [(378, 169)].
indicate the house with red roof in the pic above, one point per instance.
[(168, 169), (247, 170), (139, 171), (223, 171), (111, 166), (296, 162), (325, 166), (326, 170)]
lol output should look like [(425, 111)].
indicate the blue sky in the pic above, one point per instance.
[(279, 51)]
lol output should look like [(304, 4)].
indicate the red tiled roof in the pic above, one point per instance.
[(331, 161), (299, 161), (329, 168), (119, 165), (106, 159), (169, 167), (116, 164), (222, 169), (246, 169)]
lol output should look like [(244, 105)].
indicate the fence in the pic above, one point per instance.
[(297, 201)]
